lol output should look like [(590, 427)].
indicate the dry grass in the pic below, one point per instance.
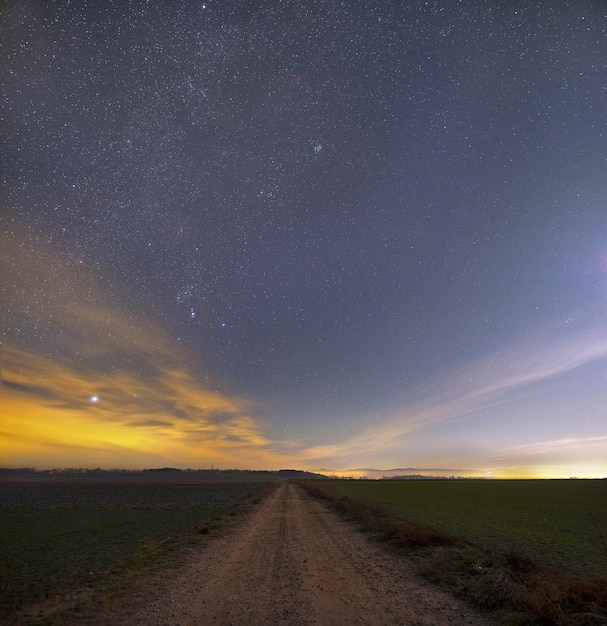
[(512, 587)]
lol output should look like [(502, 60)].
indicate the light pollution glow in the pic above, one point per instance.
[(112, 390)]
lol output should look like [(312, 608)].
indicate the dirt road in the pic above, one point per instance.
[(293, 561)]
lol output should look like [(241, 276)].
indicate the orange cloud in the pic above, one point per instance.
[(48, 413), (86, 383)]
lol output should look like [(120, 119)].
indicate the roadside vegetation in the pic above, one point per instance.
[(56, 537), (525, 552)]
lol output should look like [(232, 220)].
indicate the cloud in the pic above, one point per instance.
[(169, 416), (451, 396), (68, 342), (587, 450)]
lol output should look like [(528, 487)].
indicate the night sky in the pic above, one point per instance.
[(322, 234)]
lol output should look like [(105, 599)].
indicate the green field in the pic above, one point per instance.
[(54, 535), (562, 523)]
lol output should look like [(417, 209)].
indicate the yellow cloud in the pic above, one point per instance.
[(48, 412), (84, 382)]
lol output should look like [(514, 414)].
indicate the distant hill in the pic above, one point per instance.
[(162, 474), (406, 473), (293, 474)]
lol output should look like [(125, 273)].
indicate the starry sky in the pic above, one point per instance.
[(325, 234)]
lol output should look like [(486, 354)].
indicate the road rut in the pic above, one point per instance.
[(293, 561)]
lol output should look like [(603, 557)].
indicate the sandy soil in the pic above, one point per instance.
[(293, 561)]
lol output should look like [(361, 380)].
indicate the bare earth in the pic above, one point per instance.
[(293, 561)]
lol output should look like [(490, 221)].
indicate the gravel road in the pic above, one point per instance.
[(293, 561)]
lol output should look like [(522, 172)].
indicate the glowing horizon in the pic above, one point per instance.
[(172, 421)]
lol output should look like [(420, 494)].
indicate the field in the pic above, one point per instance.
[(524, 552), (528, 552), (59, 533), (562, 523)]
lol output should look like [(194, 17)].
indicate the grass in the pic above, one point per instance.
[(57, 536), (527, 552), (559, 522)]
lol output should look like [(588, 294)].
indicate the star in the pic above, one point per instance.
[(188, 185)]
